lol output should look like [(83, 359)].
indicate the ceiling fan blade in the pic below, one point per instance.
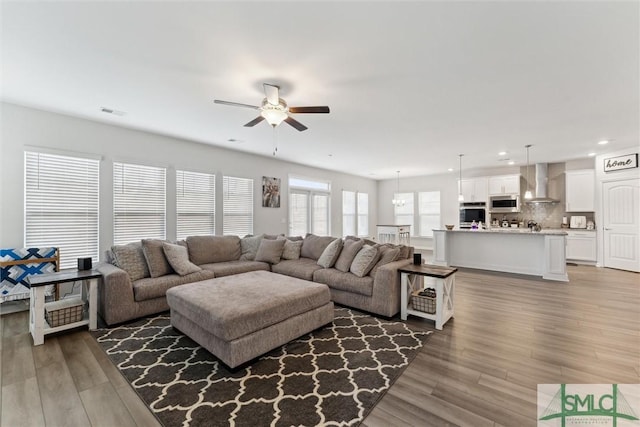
[(254, 121), (297, 110), (235, 104), (272, 93), (296, 124)]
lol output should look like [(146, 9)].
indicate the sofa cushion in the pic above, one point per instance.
[(313, 246), (249, 247), (270, 251), (301, 268), (131, 259), (364, 261), (156, 259), (387, 254), (208, 249), (330, 254), (228, 268), (178, 257), (291, 249), (349, 282), (350, 249), (149, 288)]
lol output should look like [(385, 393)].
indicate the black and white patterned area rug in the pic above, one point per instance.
[(332, 376)]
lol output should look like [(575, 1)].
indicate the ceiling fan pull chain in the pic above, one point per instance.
[(275, 140)]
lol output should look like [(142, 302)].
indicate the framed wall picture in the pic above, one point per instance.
[(270, 192)]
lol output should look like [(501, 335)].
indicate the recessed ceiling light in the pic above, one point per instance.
[(502, 153), (511, 162), (591, 154), (450, 169), (603, 142)]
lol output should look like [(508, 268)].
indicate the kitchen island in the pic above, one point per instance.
[(521, 251)]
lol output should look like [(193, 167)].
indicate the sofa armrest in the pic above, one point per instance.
[(115, 293), (386, 287)]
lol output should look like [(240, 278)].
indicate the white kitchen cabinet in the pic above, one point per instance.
[(475, 189), (504, 184), (581, 246), (580, 190)]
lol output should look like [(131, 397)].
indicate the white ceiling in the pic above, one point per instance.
[(410, 84)]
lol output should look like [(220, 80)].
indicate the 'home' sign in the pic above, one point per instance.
[(621, 162)]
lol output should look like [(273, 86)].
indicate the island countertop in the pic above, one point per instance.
[(510, 250), (515, 231)]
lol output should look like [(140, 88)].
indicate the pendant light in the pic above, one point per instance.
[(460, 196), (527, 194), (398, 202)]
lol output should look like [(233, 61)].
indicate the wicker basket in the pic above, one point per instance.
[(64, 311), (422, 303)]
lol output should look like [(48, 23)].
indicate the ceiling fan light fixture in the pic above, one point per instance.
[(274, 116)]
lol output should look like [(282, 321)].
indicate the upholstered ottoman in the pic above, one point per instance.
[(240, 317)]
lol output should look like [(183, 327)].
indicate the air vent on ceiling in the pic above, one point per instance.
[(112, 111)]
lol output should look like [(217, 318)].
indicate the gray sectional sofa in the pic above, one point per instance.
[(358, 273)]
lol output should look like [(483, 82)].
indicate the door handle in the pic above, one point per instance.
[(607, 229)]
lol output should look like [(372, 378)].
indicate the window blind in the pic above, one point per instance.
[(237, 218), (363, 214), (195, 203), (298, 213), (404, 214), (320, 214), (61, 205), (429, 212), (139, 203), (348, 213)]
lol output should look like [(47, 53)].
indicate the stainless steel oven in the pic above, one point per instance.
[(504, 204), (469, 212)]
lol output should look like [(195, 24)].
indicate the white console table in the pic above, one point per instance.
[(37, 323), (397, 234)]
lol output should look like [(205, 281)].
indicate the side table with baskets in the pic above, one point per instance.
[(436, 304), (56, 316)]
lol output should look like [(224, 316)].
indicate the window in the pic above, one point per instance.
[(355, 213), (363, 214), (309, 207), (139, 202), (61, 205), (429, 212), (237, 218), (348, 213), (404, 214), (195, 204)]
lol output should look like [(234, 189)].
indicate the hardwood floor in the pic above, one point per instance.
[(509, 334)]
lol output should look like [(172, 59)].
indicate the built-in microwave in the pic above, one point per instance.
[(469, 212), (504, 204)]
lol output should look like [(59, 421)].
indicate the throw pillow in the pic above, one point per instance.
[(178, 257), (270, 250), (350, 249), (130, 258), (249, 246), (313, 246), (291, 249), (330, 254), (364, 261), (404, 252), (156, 260), (387, 255)]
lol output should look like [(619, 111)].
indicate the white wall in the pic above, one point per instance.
[(25, 127)]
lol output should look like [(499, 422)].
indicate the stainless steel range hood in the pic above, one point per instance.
[(542, 181)]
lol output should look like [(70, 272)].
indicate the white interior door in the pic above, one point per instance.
[(621, 217)]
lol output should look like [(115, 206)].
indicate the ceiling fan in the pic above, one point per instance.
[(275, 110)]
